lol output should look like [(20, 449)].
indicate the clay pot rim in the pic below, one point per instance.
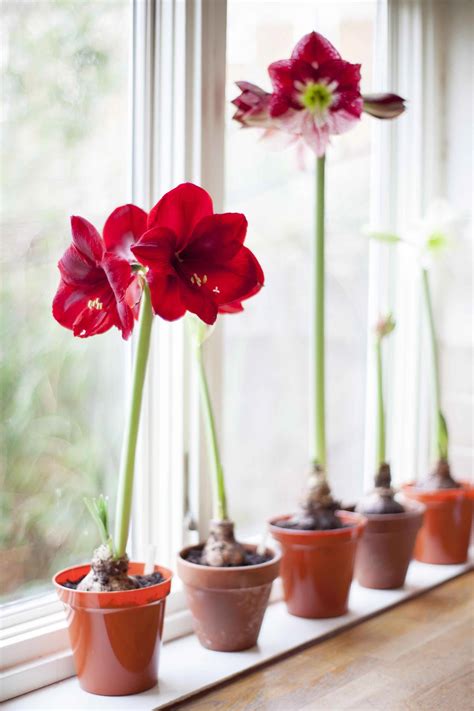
[(357, 522), (230, 568), (416, 508), (83, 569), (411, 490)]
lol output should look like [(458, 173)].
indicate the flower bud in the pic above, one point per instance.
[(385, 325), (252, 106), (383, 106)]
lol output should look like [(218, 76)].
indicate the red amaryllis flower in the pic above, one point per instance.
[(98, 288), (383, 106), (316, 92), (196, 260)]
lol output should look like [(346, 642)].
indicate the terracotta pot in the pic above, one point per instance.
[(470, 492), (386, 548), (228, 604), (317, 566), (444, 537), (115, 637)]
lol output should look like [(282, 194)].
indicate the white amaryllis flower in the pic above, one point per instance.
[(436, 231), (429, 236)]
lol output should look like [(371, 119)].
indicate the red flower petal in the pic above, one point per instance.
[(199, 301), (76, 269), (86, 238), (216, 239), (346, 74), (156, 249), (228, 281), (235, 307), (71, 308), (165, 292), (281, 76), (180, 210), (315, 49), (124, 227), (119, 274)]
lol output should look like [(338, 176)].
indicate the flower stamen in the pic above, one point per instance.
[(317, 97), (95, 304)]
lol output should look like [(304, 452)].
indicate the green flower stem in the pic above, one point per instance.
[(127, 463), (441, 430), (380, 405), (220, 499), (319, 444)]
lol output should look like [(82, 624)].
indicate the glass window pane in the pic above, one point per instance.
[(65, 151), (266, 356)]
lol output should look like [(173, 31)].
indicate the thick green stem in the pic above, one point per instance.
[(441, 431), (220, 499), (380, 405), (127, 463), (319, 443)]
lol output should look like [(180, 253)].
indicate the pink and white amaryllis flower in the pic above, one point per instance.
[(315, 93)]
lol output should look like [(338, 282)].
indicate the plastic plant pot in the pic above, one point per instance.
[(386, 548), (228, 604), (115, 636), (317, 566), (444, 537)]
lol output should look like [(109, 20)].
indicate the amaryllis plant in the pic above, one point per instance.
[(315, 94), (381, 500), (181, 257), (429, 238)]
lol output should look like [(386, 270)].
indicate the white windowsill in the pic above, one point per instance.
[(187, 668)]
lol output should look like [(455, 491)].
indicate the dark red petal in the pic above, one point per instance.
[(180, 210), (86, 238), (92, 321), (124, 227), (156, 249), (235, 307), (346, 74), (279, 105), (119, 274), (165, 292), (216, 239), (76, 269), (281, 76), (71, 308), (313, 48), (126, 319), (199, 301), (229, 281)]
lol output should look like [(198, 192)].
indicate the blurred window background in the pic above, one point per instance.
[(65, 138)]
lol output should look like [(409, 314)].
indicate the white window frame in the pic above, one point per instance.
[(179, 50)]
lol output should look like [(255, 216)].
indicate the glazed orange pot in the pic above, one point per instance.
[(317, 566), (115, 636), (444, 537), (228, 604), (386, 548)]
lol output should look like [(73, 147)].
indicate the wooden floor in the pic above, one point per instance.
[(418, 656)]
